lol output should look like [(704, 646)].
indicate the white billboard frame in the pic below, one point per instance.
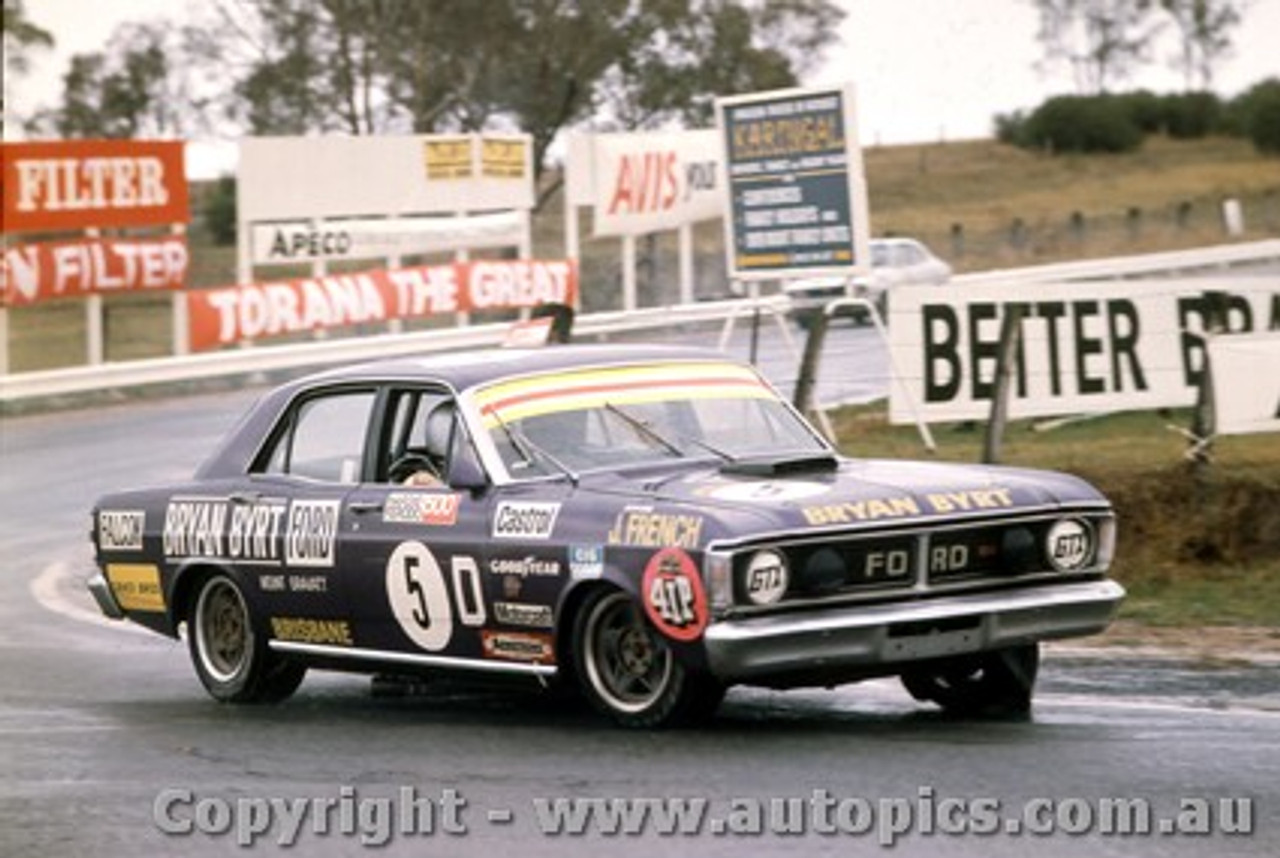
[(319, 180)]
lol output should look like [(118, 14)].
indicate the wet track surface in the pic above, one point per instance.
[(106, 736)]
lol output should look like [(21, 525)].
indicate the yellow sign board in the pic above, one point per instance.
[(502, 158), (448, 157)]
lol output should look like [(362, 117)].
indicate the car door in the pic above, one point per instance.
[(283, 524), (416, 580)]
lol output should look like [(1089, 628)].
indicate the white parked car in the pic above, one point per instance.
[(894, 262)]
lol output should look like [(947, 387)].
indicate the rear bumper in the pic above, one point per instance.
[(870, 636), (100, 587)]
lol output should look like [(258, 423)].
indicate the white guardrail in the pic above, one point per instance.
[(18, 387)]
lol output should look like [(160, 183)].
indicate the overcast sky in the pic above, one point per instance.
[(924, 69)]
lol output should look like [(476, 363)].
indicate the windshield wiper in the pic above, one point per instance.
[(643, 427), (529, 451), (646, 427), (713, 450)]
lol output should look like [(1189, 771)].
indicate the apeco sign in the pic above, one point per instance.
[(77, 184)]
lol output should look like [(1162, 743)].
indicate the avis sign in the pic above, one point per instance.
[(1085, 347), (656, 181), (77, 184), (262, 310)]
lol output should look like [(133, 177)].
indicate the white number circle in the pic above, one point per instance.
[(416, 590)]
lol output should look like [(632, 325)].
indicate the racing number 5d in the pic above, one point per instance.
[(421, 600)]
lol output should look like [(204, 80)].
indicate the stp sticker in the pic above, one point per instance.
[(1069, 543), (673, 596)]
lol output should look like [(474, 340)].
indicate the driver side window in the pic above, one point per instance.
[(421, 429)]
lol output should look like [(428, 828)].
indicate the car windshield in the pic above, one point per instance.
[(589, 419), (880, 256)]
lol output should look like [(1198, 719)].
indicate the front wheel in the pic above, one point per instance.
[(990, 683), (233, 663), (629, 673)]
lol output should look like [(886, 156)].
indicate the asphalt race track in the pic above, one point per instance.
[(110, 747)]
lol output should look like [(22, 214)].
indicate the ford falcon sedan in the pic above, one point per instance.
[(648, 526)]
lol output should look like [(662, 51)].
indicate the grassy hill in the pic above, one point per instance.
[(1176, 189)]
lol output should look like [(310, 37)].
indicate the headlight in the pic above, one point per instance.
[(1069, 544), (766, 577)]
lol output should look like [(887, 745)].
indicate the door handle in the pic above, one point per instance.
[(363, 507), (245, 497)]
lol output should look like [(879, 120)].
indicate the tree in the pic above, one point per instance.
[(387, 66), (695, 51), (1101, 40), (124, 92), (20, 36), (1204, 27)]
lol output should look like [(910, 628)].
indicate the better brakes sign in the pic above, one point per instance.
[(1085, 347), (797, 195)]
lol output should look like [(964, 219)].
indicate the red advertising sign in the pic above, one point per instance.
[(33, 273), (263, 310), (76, 184)]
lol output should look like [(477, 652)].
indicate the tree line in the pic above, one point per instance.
[(288, 67), (274, 67)]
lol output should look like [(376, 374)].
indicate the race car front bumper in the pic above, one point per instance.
[(856, 637)]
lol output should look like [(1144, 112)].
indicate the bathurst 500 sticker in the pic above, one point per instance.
[(674, 598), (525, 520), (263, 532), (435, 508)]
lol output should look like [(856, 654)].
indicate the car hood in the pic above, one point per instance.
[(854, 493)]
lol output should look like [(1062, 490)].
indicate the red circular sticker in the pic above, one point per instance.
[(673, 595)]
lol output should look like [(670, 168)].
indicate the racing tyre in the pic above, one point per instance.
[(996, 683), (233, 662), (629, 673)]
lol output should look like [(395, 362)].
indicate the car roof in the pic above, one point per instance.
[(466, 369)]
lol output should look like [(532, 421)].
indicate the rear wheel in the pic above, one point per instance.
[(990, 683), (233, 663), (628, 672)]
